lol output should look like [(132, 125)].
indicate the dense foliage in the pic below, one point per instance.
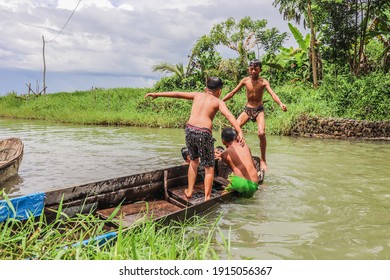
[(364, 98), (345, 56)]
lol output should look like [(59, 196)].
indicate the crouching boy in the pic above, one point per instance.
[(239, 158)]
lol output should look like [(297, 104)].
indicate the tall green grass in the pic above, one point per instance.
[(61, 239), (124, 106)]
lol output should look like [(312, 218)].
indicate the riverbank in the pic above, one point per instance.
[(128, 107), (315, 127)]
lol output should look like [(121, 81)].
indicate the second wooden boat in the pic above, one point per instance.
[(11, 155)]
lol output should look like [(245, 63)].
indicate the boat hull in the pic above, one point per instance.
[(11, 155), (156, 195)]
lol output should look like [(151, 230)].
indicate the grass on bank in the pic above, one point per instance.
[(366, 98), (36, 239), (128, 107)]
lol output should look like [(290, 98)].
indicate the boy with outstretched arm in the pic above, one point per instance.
[(198, 130), (254, 109)]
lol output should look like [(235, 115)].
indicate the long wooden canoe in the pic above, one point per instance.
[(11, 155), (156, 194)]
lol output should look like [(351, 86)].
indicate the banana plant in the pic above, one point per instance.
[(295, 61), (303, 42)]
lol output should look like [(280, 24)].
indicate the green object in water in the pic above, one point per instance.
[(245, 187)]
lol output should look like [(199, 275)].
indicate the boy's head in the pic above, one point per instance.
[(255, 63), (214, 83), (220, 148), (228, 135), (254, 67), (184, 153), (218, 152)]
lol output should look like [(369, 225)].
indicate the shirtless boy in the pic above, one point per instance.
[(239, 159), (198, 131), (254, 109)]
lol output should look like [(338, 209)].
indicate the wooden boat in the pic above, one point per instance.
[(11, 154), (154, 195)]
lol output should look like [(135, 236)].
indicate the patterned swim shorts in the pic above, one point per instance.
[(200, 144), (253, 112)]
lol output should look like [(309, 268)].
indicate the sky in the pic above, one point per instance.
[(108, 43)]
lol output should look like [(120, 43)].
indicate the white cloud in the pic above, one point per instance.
[(71, 4), (127, 7), (10, 5)]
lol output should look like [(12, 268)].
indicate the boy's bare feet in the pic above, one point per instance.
[(187, 195), (260, 175), (264, 165)]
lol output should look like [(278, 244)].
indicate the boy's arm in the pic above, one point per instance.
[(183, 95), (229, 116), (233, 92), (274, 96)]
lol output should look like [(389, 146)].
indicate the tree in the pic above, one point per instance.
[(177, 69), (292, 10), (348, 28), (229, 70), (270, 41), (294, 63), (239, 37), (380, 28), (204, 59)]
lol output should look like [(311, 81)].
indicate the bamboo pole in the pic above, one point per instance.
[(44, 65)]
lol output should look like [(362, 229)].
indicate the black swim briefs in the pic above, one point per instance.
[(253, 112)]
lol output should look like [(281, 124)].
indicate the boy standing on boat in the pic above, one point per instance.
[(239, 158), (198, 130), (254, 109)]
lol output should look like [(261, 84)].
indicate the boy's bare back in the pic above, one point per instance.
[(205, 105), (240, 160), (204, 108)]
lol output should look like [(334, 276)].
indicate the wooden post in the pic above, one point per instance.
[(166, 196), (44, 65)]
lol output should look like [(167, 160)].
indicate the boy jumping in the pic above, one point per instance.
[(254, 109)]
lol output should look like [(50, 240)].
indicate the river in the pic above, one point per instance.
[(321, 199)]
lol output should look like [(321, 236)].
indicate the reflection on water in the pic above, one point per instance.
[(12, 184), (321, 199)]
